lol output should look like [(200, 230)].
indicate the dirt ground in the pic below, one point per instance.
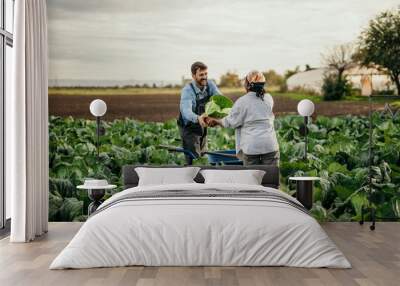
[(162, 107)]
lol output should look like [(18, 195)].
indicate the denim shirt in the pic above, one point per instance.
[(188, 99), (253, 121)]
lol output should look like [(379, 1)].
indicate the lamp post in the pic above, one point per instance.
[(98, 108), (305, 108)]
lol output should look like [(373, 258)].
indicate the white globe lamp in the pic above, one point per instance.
[(98, 108), (305, 108)]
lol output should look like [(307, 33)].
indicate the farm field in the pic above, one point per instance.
[(338, 154), (139, 120), (162, 104)]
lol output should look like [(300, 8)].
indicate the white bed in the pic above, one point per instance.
[(202, 231)]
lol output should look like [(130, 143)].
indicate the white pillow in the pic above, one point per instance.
[(248, 177), (166, 176)]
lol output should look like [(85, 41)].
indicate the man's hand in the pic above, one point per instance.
[(213, 121), (202, 121)]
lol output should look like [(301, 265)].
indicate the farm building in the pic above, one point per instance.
[(365, 79)]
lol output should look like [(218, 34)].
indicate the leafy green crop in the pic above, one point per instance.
[(219, 106), (338, 154)]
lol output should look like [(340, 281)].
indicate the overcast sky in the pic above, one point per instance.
[(159, 39)]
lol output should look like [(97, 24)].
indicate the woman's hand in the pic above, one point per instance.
[(213, 121), (207, 121)]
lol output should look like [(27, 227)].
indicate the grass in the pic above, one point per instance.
[(98, 91), (353, 98), (298, 96), (396, 104)]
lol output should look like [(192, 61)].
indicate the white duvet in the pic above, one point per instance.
[(200, 231)]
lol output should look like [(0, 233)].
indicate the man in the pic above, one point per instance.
[(194, 96)]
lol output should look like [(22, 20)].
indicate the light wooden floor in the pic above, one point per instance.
[(375, 257)]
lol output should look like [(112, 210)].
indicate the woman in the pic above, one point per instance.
[(253, 120)]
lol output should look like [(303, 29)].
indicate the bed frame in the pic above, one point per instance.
[(270, 179)]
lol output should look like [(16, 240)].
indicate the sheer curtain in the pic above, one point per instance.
[(27, 124)]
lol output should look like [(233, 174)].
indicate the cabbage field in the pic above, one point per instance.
[(338, 153)]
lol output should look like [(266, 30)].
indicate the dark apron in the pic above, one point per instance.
[(193, 134)]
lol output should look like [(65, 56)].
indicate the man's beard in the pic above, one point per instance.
[(202, 82)]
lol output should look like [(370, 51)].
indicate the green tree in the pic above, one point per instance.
[(230, 79), (273, 78), (286, 75), (339, 59), (334, 88), (379, 44), (289, 73)]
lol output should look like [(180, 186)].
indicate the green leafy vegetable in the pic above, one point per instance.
[(338, 154), (219, 106)]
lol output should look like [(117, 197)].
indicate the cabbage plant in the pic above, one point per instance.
[(219, 106)]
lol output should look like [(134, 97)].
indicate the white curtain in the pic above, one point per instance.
[(27, 124)]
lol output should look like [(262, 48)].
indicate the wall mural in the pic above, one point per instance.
[(138, 60)]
